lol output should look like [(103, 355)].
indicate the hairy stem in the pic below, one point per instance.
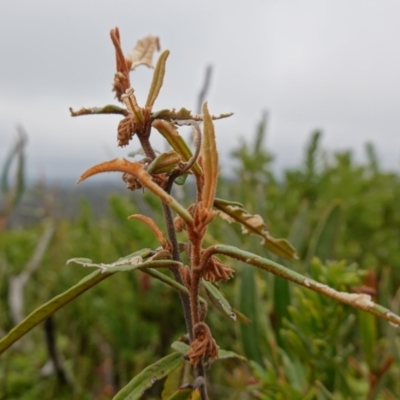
[(176, 257)]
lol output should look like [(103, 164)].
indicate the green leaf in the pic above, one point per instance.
[(180, 347), (176, 379), (281, 295), (165, 162), (225, 354), (219, 297), (180, 180), (108, 109), (360, 301), (49, 308), (254, 224), (146, 379), (248, 304), (186, 394), (169, 281), (368, 331), (176, 141), (324, 241)]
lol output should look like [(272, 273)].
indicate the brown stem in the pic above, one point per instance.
[(176, 257), (146, 146)]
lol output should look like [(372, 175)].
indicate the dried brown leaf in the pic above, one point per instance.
[(153, 226), (254, 224), (203, 344), (142, 53), (126, 130), (121, 78)]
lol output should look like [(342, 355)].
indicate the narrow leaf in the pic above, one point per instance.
[(357, 300), (108, 109), (158, 79), (324, 241), (145, 379), (176, 141), (169, 281), (249, 334), (281, 296), (152, 225), (368, 331), (185, 394), (184, 116), (210, 160), (139, 172), (165, 162), (254, 224), (219, 297), (225, 354), (176, 379), (49, 308)]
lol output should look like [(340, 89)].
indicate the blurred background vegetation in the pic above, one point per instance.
[(342, 216)]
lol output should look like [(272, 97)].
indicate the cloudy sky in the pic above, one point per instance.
[(327, 64)]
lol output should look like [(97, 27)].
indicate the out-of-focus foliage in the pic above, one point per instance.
[(342, 216)]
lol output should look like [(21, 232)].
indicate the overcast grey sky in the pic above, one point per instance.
[(328, 64)]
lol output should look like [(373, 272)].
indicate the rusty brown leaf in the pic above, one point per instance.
[(138, 171)]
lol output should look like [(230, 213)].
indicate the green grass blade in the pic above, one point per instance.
[(324, 241), (247, 300), (281, 296)]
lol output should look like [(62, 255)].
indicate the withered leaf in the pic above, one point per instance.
[(138, 171), (153, 226), (254, 224), (142, 53)]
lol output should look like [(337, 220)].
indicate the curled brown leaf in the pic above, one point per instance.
[(203, 344), (156, 230), (215, 271), (126, 130)]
